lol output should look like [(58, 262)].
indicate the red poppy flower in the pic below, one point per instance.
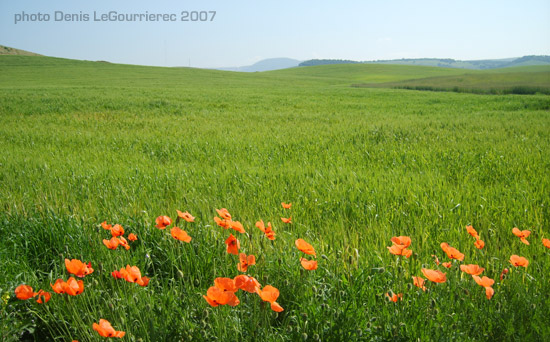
[(419, 282), (180, 234), (521, 234), (286, 220), (479, 244), (236, 225), (216, 296), (24, 292), (117, 230), (270, 294), (132, 237), (503, 273), (245, 261), (132, 274), (112, 243), (546, 243), (404, 241), (472, 269), (309, 265), (285, 205), (222, 223), (73, 287), (485, 281), (226, 284), (123, 242), (400, 250), (489, 292), (163, 221), (58, 286), (394, 297), (472, 232), (452, 252), (116, 274), (186, 216), (233, 245), (105, 329), (224, 214), (43, 296), (434, 275), (246, 283), (106, 226), (268, 231), (78, 268), (305, 247), (447, 264), (517, 260)]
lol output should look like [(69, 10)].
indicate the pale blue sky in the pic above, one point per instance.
[(245, 31)]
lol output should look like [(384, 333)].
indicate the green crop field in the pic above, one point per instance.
[(87, 142)]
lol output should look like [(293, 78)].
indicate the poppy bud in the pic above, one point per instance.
[(409, 286), (316, 337), (304, 336)]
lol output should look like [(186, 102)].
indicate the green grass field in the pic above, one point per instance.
[(84, 142)]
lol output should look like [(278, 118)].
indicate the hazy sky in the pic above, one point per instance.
[(244, 31)]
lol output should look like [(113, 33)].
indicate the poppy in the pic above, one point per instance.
[(489, 292), (286, 220), (106, 226), (57, 287), (546, 243), (452, 252), (485, 281), (521, 234), (434, 275), (436, 259), (222, 223), (503, 273), (472, 232), (472, 269), (447, 264), (132, 237), (404, 241), (116, 274), (225, 284), (163, 221), (233, 245), (236, 225), (43, 296), (519, 261), (224, 214), (246, 283), (123, 242), (117, 230), (180, 234), (419, 282), (286, 205), (310, 265), (78, 268), (112, 243), (216, 296), (268, 231), (305, 247), (73, 287), (24, 292), (132, 274), (400, 250), (270, 294), (186, 216), (394, 297), (479, 244), (105, 329), (245, 261)]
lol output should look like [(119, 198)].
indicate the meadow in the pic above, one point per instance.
[(88, 142)]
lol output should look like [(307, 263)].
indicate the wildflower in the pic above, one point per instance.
[(452, 252), (285, 205), (43, 296), (305, 247), (309, 265), (472, 269), (216, 296), (132, 237), (233, 245), (503, 273), (106, 226), (270, 294), (404, 241), (180, 234), (24, 292), (222, 223), (434, 275), (246, 283), (73, 287), (186, 216), (132, 274), (112, 243), (436, 259), (447, 264), (419, 282), (472, 232), (78, 268), (117, 230), (521, 234), (224, 214), (519, 261), (546, 243), (105, 329), (116, 274), (236, 225), (479, 244), (485, 281), (286, 220), (268, 231), (57, 287), (123, 242), (400, 250), (163, 221), (394, 297), (226, 284), (489, 292), (245, 261)]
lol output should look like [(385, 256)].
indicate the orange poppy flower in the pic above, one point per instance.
[(485, 281), (270, 294), (286, 220), (546, 243), (105, 329), (400, 250), (472, 232), (233, 245), (436, 259), (43, 296), (58, 286), (246, 283), (24, 292), (434, 275), (472, 269), (245, 261), (285, 205), (117, 230), (521, 234), (73, 287), (503, 273), (404, 241), (116, 274), (180, 234), (268, 231), (394, 297), (132, 237), (452, 252), (132, 274), (78, 268), (224, 214), (310, 265), (517, 260), (123, 242), (106, 226), (186, 216), (489, 292), (479, 244), (225, 284), (216, 296), (305, 247), (419, 282), (112, 243), (163, 221), (236, 225), (222, 223), (447, 264)]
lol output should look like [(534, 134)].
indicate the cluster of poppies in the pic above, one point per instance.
[(117, 236), (400, 244), (177, 233)]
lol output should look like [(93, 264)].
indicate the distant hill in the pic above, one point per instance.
[(266, 65), (447, 62), (6, 50)]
